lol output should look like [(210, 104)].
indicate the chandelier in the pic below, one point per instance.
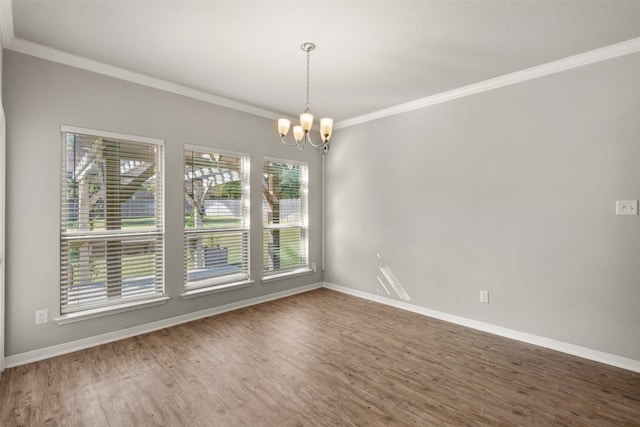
[(301, 133)]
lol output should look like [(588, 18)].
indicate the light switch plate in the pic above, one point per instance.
[(484, 297), (627, 207)]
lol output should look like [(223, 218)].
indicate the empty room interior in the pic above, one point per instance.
[(293, 213)]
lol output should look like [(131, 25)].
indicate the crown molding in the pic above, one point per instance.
[(568, 63), (55, 55), (34, 49)]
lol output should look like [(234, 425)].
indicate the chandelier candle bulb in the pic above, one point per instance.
[(283, 126), (298, 133), (306, 121), (326, 126)]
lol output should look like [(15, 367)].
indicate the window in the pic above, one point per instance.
[(112, 228), (216, 217), (284, 219)]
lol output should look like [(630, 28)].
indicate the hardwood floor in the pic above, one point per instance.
[(318, 358)]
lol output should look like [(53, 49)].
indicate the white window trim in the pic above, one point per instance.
[(202, 291), (111, 135), (230, 282), (272, 276), (217, 281), (286, 274), (126, 305), (94, 313)]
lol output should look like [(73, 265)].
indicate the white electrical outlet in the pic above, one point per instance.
[(313, 266), (42, 316), (484, 296), (626, 207)]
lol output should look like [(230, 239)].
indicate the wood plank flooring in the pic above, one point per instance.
[(320, 358)]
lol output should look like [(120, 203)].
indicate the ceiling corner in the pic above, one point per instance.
[(6, 22)]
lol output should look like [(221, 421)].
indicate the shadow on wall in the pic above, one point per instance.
[(392, 282)]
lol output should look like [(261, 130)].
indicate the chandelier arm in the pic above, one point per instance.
[(314, 145), (303, 141), (321, 146), (290, 144), (295, 143)]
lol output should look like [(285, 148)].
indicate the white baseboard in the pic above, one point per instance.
[(586, 353), (583, 352), (69, 347)]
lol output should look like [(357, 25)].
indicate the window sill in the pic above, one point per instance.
[(109, 310), (286, 275), (194, 293)]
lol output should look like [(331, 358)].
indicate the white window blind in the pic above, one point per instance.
[(216, 245), (284, 219), (112, 228)]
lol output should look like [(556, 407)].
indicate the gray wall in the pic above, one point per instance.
[(39, 96), (511, 191)]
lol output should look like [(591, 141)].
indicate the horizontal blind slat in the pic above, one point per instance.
[(112, 228), (284, 217), (216, 234)]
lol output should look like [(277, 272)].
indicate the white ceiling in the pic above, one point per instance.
[(371, 54)]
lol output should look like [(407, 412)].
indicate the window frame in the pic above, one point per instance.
[(113, 304), (303, 225), (230, 281)]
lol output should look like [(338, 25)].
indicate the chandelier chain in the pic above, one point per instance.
[(308, 107)]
